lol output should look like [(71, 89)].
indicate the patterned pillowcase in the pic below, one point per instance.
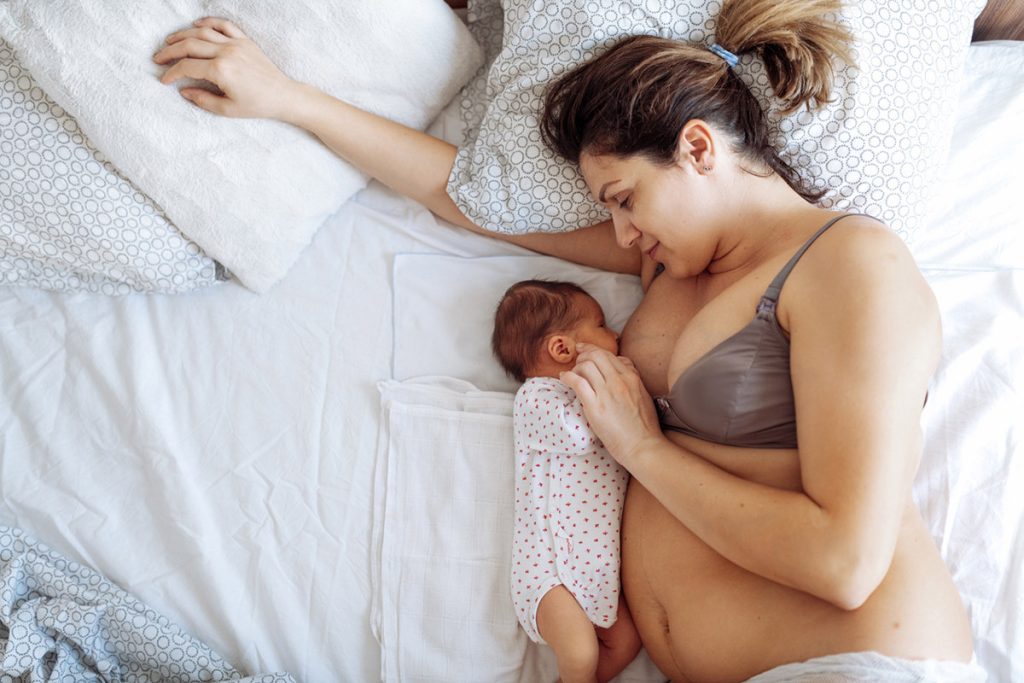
[(875, 148), (68, 219)]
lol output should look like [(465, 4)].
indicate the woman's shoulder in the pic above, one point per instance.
[(862, 230), (856, 248), (859, 261)]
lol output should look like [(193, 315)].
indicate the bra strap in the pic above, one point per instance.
[(772, 293)]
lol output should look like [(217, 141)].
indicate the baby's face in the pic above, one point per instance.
[(592, 329)]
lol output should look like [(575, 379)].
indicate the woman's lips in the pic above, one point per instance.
[(652, 251)]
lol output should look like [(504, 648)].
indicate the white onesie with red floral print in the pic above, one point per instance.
[(569, 495)]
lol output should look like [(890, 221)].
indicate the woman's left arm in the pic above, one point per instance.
[(865, 340)]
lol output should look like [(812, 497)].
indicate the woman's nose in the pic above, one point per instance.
[(626, 233)]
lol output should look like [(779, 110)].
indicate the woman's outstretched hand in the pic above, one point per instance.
[(617, 406), (217, 51)]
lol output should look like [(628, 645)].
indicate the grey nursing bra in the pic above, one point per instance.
[(740, 392)]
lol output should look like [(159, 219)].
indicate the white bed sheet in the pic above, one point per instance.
[(214, 454)]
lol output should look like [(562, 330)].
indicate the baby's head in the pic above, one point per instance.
[(538, 324)]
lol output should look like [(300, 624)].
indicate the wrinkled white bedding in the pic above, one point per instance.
[(216, 454), (213, 454)]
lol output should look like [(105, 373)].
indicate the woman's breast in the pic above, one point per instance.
[(651, 333), (649, 340)]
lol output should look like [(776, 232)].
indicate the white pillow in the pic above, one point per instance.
[(874, 148), (978, 220), (250, 193), (68, 220), (444, 310)]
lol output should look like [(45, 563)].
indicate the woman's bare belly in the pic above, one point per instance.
[(702, 618)]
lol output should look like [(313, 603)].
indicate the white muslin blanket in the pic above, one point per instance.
[(443, 523), (444, 506), (251, 193)]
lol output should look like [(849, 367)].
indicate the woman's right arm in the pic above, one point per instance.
[(407, 160)]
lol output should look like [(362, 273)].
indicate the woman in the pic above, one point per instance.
[(771, 527)]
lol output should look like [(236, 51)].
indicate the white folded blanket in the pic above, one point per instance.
[(251, 193), (443, 523), (442, 609)]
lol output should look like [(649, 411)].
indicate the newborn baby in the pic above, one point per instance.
[(569, 490)]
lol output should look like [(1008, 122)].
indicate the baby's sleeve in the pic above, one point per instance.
[(553, 421)]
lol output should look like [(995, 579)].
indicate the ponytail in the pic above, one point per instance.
[(636, 97), (795, 39)]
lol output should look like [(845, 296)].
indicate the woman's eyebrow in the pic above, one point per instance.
[(605, 187)]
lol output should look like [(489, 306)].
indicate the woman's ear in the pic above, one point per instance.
[(561, 348), (696, 146)]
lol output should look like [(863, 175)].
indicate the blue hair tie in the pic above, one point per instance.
[(730, 59)]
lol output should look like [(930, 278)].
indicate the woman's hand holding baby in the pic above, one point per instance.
[(617, 405), (217, 51)]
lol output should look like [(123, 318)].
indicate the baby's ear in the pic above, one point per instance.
[(561, 348)]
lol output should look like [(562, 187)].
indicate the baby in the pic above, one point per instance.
[(569, 490)]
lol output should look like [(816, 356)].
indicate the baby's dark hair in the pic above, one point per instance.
[(528, 313)]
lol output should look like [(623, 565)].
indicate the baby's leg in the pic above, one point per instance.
[(565, 626), (619, 645)]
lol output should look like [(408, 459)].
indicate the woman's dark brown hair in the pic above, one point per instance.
[(528, 313), (636, 97)]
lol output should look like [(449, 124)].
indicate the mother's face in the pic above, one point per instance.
[(656, 208)]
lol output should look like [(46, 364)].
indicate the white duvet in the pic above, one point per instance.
[(220, 455)]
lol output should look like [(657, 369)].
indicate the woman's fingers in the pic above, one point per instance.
[(608, 363), (204, 99), (589, 371), (189, 47), (222, 25), (252, 86), (206, 33), (584, 391), (199, 69)]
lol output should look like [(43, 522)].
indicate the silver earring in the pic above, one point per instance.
[(707, 169)]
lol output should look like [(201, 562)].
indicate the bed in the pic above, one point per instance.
[(310, 480)]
